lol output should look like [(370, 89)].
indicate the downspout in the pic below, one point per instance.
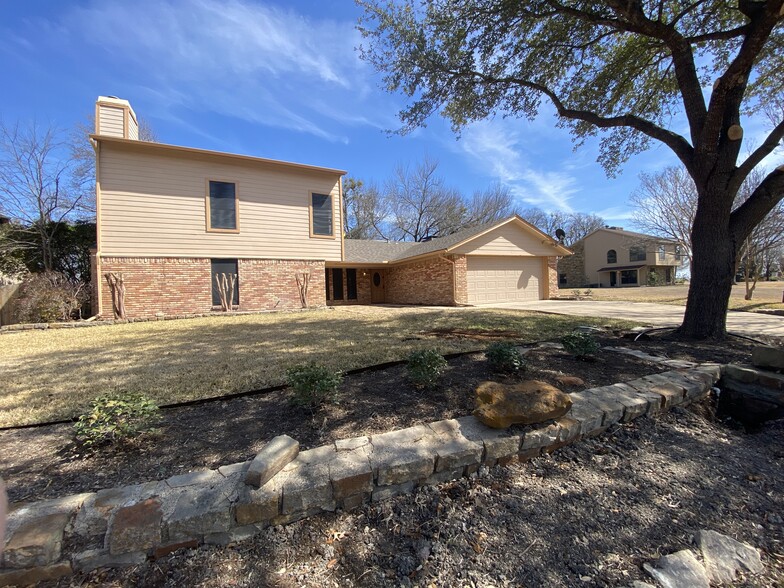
[(454, 278)]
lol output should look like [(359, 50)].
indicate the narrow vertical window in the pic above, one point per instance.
[(321, 215), (612, 256), (351, 284), (222, 206), (337, 284), (326, 283), (218, 269), (662, 253)]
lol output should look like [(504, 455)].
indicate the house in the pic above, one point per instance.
[(613, 257), (171, 218)]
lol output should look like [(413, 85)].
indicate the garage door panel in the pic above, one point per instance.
[(494, 279)]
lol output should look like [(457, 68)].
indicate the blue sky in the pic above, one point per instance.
[(283, 81)]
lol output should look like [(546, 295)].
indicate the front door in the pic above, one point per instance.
[(378, 287), (613, 279)]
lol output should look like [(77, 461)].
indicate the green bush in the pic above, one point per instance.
[(504, 357), (116, 417), (313, 384), (425, 367), (580, 344)]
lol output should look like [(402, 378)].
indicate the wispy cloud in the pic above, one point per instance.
[(497, 148), (259, 63)]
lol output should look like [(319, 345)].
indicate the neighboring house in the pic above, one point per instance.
[(169, 218), (611, 257)]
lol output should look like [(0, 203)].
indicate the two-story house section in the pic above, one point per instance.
[(171, 218), (612, 257)]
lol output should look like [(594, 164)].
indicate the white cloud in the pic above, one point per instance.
[(499, 149), (259, 63)]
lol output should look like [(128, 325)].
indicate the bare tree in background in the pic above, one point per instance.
[(576, 225), (37, 182), (421, 204), (665, 205), (488, 206), (364, 210)]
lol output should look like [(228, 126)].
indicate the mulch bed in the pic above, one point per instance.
[(44, 462)]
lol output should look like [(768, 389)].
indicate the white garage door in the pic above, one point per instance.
[(504, 279)]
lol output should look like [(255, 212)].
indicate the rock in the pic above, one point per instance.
[(679, 570), (274, 457), (724, 557), (573, 381), (768, 357), (135, 528), (30, 576), (526, 403), (37, 542)]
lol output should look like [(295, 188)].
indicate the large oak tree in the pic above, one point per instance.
[(689, 74)]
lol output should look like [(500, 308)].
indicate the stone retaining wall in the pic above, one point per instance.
[(133, 524)]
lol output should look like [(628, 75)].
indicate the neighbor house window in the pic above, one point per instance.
[(662, 253), (629, 277), (321, 215), (612, 256), (636, 253), (351, 284), (222, 207), (562, 279), (220, 268)]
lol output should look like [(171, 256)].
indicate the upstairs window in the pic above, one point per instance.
[(321, 215), (637, 253), (612, 256), (662, 253), (222, 207)]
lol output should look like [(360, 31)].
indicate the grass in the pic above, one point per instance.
[(767, 295), (53, 374)]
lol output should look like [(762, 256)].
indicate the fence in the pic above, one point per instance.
[(7, 306)]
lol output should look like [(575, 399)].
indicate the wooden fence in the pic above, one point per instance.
[(7, 306)]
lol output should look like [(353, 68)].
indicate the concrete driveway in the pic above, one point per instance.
[(750, 324)]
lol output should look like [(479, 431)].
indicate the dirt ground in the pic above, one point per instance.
[(45, 463), (590, 515)]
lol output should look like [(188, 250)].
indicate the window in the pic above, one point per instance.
[(678, 252), (351, 284), (612, 256), (662, 253), (629, 277), (636, 253), (219, 267), (562, 279), (337, 284), (222, 207), (321, 215)]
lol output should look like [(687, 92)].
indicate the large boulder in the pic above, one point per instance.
[(771, 358), (500, 405)]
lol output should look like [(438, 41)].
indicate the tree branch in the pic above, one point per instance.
[(762, 200), (772, 141)]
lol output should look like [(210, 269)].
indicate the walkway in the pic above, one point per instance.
[(750, 324)]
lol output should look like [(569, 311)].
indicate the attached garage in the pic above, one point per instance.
[(493, 279)]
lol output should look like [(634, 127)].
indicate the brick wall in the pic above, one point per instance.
[(422, 282), (461, 279), (574, 267), (552, 275), (363, 288), (183, 285)]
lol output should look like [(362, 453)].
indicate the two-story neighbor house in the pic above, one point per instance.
[(612, 257), (170, 218)]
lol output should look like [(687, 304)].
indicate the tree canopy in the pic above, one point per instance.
[(635, 70)]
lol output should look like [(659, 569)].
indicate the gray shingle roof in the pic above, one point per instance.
[(634, 235), (362, 251)]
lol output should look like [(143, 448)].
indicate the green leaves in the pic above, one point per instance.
[(313, 384), (425, 367), (115, 417), (504, 357)]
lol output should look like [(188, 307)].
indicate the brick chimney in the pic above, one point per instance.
[(114, 117)]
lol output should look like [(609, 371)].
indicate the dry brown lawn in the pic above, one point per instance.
[(767, 295), (53, 374)]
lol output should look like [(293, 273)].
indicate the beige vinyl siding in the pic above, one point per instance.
[(133, 128), (509, 239), (153, 204), (111, 121)]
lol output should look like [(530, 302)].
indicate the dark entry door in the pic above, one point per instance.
[(613, 279), (378, 287)]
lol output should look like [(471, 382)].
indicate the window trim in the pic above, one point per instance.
[(210, 228), (331, 196)]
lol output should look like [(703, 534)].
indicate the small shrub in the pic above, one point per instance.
[(580, 344), (49, 297), (425, 367), (116, 417), (504, 357), (313, 384)]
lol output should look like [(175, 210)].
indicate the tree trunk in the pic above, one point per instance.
[(712, 275)]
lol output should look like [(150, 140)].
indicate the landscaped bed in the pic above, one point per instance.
[(54, 374), (44, 462)]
